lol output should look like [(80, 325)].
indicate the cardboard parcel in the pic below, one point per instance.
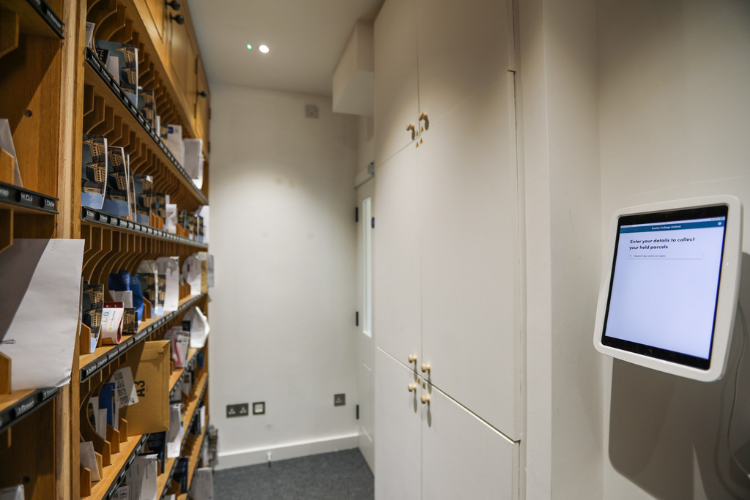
[(150, 365)]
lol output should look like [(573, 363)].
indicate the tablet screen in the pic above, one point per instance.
[(665, 284)]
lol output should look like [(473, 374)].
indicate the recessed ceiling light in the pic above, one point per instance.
[(249, 46), (263, 49)]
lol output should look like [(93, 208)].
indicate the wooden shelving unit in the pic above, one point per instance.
[(54, 89)]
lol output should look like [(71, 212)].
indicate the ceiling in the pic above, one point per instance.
[(305, 37)]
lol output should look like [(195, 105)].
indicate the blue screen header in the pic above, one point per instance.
[(674, 226)]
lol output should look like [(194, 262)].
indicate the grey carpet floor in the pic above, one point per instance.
[(341, 475)]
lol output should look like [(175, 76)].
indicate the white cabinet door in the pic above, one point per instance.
[(462, 457), (395, 87), (470, 255), (397, 427), (397, 315), (464, 45)]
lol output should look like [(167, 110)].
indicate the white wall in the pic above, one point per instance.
[(624, 103), (283, 235), (365, 142), (559, 138), (674, 100)]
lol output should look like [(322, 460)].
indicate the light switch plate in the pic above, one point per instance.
[(259, 408), (339, 399)]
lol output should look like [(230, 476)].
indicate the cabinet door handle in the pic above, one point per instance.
[(425, 398), (413, 130), (179, 18), (203, 93), (412, 358), (426, 367), (174, 4), (412, 387), (423, 117)]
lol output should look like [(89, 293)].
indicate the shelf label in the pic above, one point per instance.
[(23, 408), (47, 393), (4, 193), (54, 21), (89, 215), (25, 198), (49, 204)]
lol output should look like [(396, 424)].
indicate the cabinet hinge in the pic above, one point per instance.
[(373, 222), (356, 319), (357, 412), (356, 214)]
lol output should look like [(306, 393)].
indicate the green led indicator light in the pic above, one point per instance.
[(249, 46)]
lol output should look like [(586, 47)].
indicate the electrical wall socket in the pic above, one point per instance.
[(239, 410), (339, 399)]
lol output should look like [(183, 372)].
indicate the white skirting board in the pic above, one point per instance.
[(253, 456)]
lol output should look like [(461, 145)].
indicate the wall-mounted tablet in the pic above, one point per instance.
[(670, 284)]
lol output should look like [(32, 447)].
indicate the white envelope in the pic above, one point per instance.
[(174, 142), (170, 223), (88, 460), (12, 493), (176, 432), (141, 478), (171, 268), (126, 392), (101, 422), (199, 328), (203, 484), (40, 290), (191, 269), (126, 297), (193, 164), (6, 143)]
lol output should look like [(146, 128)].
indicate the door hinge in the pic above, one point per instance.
[(356, 319), (357, 412), (356, 214)]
